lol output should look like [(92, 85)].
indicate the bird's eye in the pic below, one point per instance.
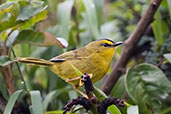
[(106, 45)]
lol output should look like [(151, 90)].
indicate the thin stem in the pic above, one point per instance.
[(21, 75)]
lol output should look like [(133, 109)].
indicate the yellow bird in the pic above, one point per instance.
[(94, 59)]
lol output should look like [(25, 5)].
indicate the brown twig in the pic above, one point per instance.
[(129, 46), (8, 79)]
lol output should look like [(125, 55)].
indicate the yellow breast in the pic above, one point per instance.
[(96, 64)]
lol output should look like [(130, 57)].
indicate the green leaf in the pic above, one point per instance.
[(79, 73), (132, 110), (40, 38), (11, 102), (5, 5), (29, 11), (36, 102), (113, 110), (12, 17), (99, 93), (168, 56), (48, 98), (3, 10), (8, 16), (36, 18), (4, 60), (146, 85), (92, 17), (30, 36), (64, 18), (157, 25)]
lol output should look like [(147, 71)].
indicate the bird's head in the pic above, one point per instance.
[(105, 46)]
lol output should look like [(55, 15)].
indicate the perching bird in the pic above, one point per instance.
[(93, 59)]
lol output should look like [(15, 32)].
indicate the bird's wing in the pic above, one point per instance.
[(71, 55)]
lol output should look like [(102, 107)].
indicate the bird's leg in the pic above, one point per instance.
[(80, 92), (73, 79)]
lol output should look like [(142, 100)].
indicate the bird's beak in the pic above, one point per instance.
[(116, 44)]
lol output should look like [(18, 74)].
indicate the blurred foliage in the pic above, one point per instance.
[(25, 25)]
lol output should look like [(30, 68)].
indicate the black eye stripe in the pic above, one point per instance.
[(106, 45)]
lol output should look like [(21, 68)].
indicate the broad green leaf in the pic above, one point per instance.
[(64, 18), (5, 5), (29, 11), (36, 18), (132, 110), (30, 36), (11, 102), (37, 107), (92, 17), (8, 18), (48, 98), (12, 17), (168, 56), (40, 38), (146, 85), (4, 60), (3, 9)]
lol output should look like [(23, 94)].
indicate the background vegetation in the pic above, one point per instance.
[(23, 33)]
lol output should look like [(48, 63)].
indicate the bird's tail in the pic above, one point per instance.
[(34, 61)]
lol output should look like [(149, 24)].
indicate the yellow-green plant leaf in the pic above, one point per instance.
[(40, 39), (79, 73), (38, 17), (11, 102), (37, 107), (8, 16), (147, 85)]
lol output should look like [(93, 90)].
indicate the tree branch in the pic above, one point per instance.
[(8, 79), (129, 46)]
